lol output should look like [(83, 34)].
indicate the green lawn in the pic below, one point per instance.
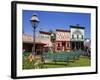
[(82, 61)]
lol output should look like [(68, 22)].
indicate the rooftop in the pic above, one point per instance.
[(62, 30), (43, 32), (77, 26)]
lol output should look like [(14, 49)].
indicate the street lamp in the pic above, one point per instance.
[(53, 38), (34, 21)]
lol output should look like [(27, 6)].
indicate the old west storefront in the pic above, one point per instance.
[(77, 37), (45, 37), (62, 40), (66, 40), (28, 43)]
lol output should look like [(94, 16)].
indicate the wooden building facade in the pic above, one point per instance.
[(62, 40)]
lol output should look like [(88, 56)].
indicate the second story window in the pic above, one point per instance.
[(77, 36), (82, 36), (72, 36)]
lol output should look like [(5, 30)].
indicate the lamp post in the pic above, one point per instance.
[(34, 21), (53, 38)]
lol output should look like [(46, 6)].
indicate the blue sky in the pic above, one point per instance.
[(56, 20)]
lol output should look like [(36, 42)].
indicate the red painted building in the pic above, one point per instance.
[(62, 40)]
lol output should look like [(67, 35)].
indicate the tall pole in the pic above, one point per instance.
[(33, 40), (34, 21)]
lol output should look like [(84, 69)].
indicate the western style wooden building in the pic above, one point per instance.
[(66, 40), (77, 37), (63, 40)]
